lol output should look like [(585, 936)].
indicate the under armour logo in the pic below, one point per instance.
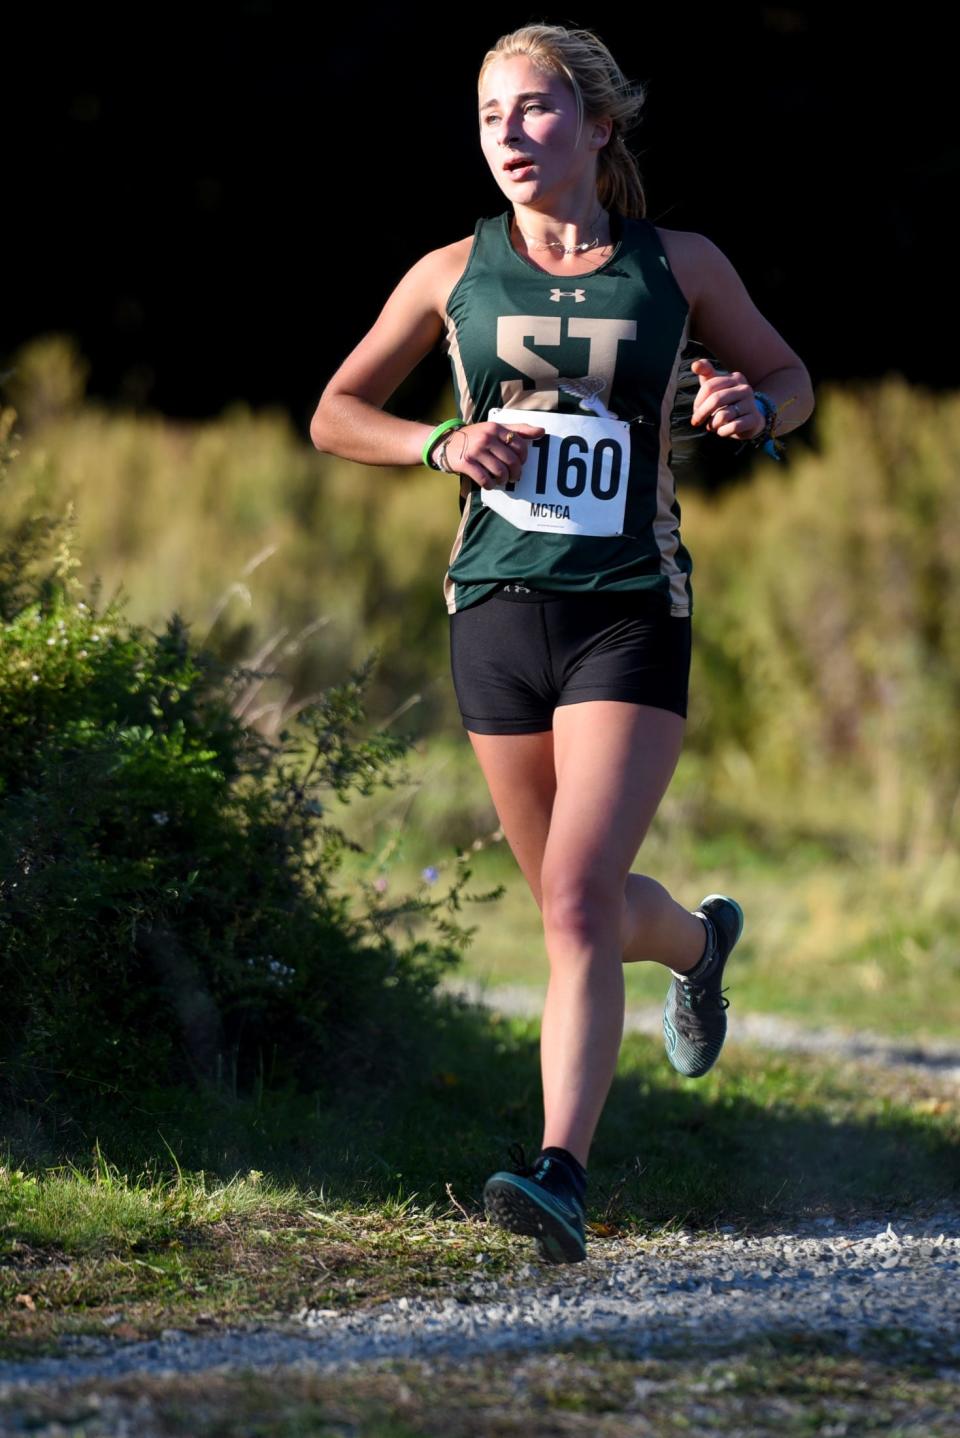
[(577, 295)]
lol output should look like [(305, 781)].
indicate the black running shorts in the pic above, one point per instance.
[(520, 652)]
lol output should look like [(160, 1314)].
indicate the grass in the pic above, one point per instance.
[(273, 1205)]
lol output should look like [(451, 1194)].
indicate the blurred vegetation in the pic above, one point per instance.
[(169, 906), (822, 762)]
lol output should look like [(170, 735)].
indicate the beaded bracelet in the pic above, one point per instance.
[(441, 429), (766, 439)]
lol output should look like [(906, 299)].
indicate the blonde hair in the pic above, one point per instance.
[(601, 90)]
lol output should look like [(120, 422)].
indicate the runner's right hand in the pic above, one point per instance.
[(481, 452)]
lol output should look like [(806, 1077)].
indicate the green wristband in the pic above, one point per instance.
[(441, 429)]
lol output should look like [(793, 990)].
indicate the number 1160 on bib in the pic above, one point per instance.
[(574, 478)]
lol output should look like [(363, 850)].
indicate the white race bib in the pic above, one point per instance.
[(574, 479)]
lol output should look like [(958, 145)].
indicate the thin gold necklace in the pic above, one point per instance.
[(552, 244)]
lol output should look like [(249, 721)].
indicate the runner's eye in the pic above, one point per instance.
[(534, 106)]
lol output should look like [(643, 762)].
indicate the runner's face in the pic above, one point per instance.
[(526, 111)]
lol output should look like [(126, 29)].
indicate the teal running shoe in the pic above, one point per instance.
[(539, 1199), (695, 1013)]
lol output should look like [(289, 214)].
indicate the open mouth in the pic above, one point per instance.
[(519, 169)]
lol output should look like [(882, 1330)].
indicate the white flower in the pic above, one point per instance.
[(161, 818)]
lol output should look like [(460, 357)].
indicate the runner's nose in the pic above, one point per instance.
[(510, 132)]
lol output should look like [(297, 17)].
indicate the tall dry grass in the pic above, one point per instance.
[(828, 674)]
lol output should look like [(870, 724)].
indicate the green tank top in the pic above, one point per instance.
[(513, 333)]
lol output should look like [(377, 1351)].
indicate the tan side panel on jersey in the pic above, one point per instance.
[(449, 592), (452, 348), (664, 525), (467, 411)]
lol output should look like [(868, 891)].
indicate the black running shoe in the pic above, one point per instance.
[(695, 1013), (539, 1199)]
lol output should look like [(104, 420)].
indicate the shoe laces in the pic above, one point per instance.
[(519, 1159), (533, 1170), (694, 997), (558, 1175)]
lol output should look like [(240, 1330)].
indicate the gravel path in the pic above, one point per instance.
[(820, 1277), (933, 1059)]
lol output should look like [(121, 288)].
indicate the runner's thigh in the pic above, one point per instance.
[(499, 659), (519, 772), (614, 760)]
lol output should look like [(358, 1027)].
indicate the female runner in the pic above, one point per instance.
[(568, 588)]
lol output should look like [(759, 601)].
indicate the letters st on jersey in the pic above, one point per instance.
[(574, 479), (516, 333)]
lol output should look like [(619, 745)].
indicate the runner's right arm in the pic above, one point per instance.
[(350, 420)]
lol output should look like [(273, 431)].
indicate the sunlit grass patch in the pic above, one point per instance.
[(828, 939), (101, 1208)]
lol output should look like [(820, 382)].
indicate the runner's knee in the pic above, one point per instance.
[(582, 906)]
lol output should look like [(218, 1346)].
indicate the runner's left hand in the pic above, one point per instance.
[(718, 397)]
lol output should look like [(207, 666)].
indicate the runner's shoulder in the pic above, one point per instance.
[(440, 269), (685, 251)]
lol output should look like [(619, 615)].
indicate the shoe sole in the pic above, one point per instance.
[(516, 1209)]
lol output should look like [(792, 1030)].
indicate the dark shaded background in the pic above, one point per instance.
[(216, 199)]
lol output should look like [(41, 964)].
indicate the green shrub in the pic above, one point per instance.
[(168, 900)]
